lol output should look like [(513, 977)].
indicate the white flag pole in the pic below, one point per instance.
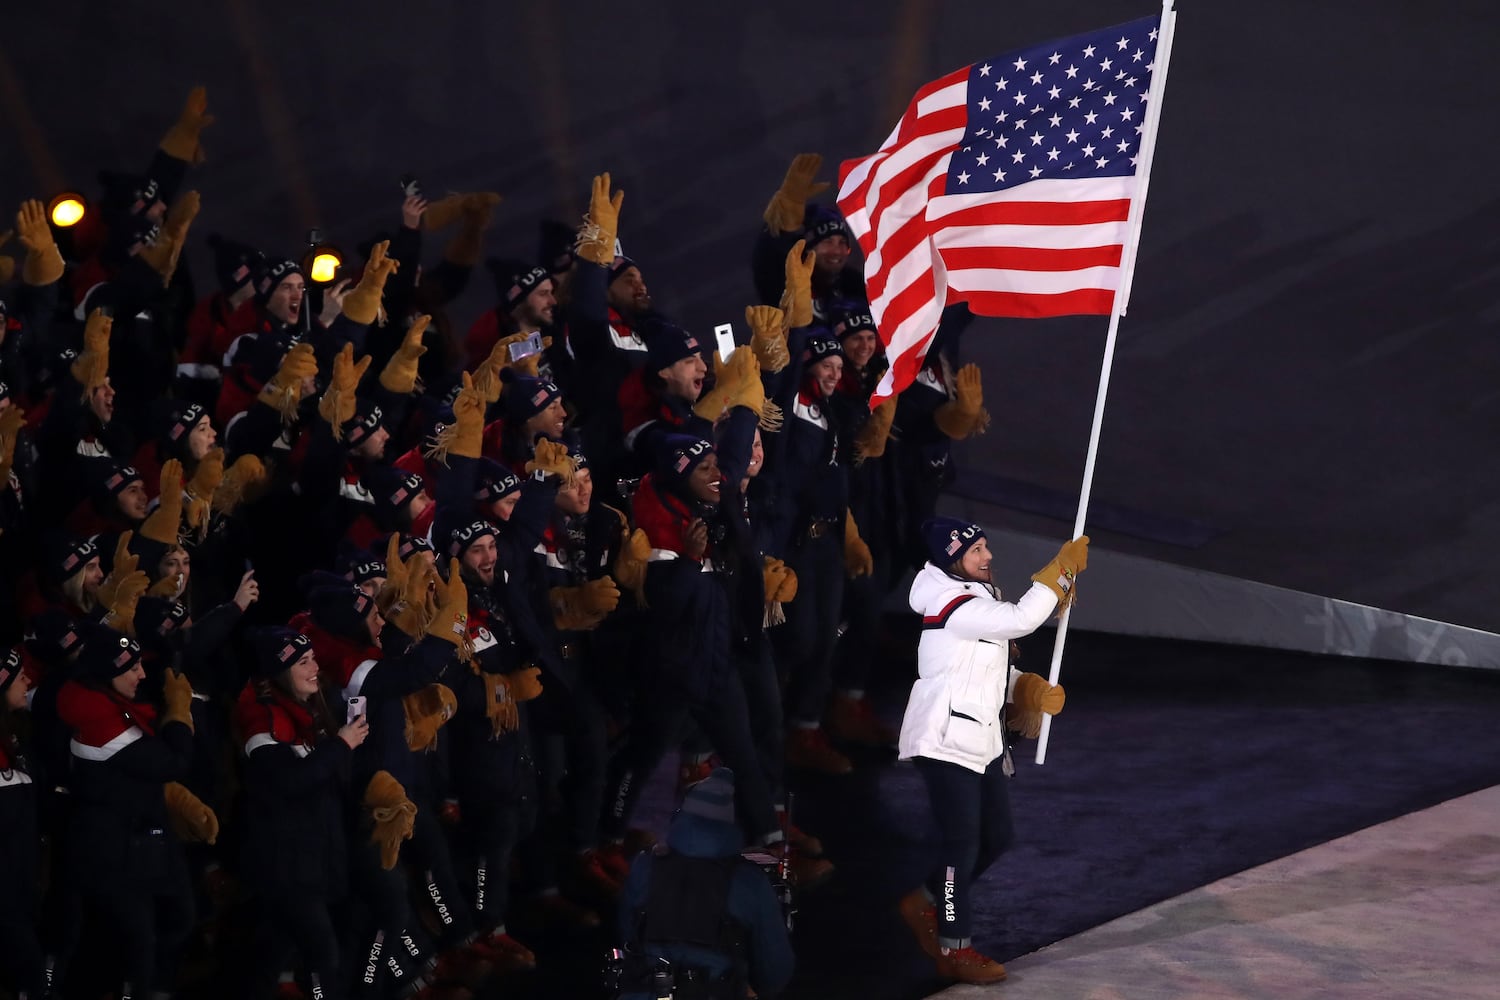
[(1122, 299)]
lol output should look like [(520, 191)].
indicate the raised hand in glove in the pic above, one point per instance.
[(596, 240), (340, 400), (857, 559), (465, 435), (91, 368), (362, 305), (451, 621), (181, 141), (241, 480), (1032, 693), (284, 392), (486, 377), (395, 577), (872, 437), (177, 696), (192, 820), (124, 595), (43, 264), (427, 711), (12, 420), (788, 205), (400, 373), (1060, 575), (552, 458), (965, 413), (446, 211), (165, 521), (201, 488), (394, 816), (768, 337), (7, 264), (467, 244), (736, 383), (122, 565), (163, 253), (578, 609), (796, 301), (632, 560)]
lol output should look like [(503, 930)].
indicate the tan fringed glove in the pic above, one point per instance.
[(192, 820), (340, 398), (581, 608), (201, 489), (427, 711), (632, 561), (475, 211), (163, 253), (964, 414), (779, 580), (788, 205), (446, 211), (165, 522), (1032, 693), (43, 264), (409, 602), (362, 304), (182, 140), (872, 437), (1060, 575), (242, 481), (91, 368), (768, 337), (596, 240), (500, 705), (12, 420), (796, 301), (553, 459), (486, 378), (463, 437), (395, 577), (394, 814), (857, 559), (400, 373), (736, 383), (451, 621), (124, 595), (284, 392), (177, 695)]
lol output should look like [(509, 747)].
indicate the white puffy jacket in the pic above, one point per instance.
[(963, 666)]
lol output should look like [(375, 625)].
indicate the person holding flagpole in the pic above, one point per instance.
[(966, 695)]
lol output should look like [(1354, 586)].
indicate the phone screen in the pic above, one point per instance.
[(724, 339), (525, 348), (356, 708)]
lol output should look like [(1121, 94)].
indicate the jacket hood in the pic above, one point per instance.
[(933, 588)]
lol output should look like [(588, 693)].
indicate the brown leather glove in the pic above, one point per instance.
[(12, 420), (1025, 724), (177, 695), (788, 205), (768, 337), (446, 211), (91, 368), (427, 711), (165, 522), (552, 459), (465, 435), (872, 437), (965, 413), (340, 398), (1032, 693), (526, 683), (201, 489), (779, 581), (241, 481), (596, 240), (475, 212), (631, 562), (451, 622), (1060, 575), (7, 264), (857, 559), (487, 375), (284, 392), (581, 608), (362, 304), (43, 264), (736, 383), (400, 373), (796, 301), (182, 140), (499, 705), (124, 595), (163, 253), (192, 820), (394, 814), (410, 605), (395, 576)]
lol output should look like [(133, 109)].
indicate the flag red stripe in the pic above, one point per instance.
[(1030, 258), (895, 248), (1084, 302), (1040, 213)]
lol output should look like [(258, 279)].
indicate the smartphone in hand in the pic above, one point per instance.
[(356, 709)]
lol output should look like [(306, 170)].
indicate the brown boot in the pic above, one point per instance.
[(853, 720), (810, 750), (921, 916), (968, 966)]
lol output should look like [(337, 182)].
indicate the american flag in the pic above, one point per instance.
[(1006, 185)]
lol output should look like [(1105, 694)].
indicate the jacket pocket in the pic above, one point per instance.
[(968, 735), (146, 855)]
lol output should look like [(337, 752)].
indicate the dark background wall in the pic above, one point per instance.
[(1305, 382)]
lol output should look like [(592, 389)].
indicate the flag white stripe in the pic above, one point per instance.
[(955, 95), (1084, 189), (1037, 282)]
